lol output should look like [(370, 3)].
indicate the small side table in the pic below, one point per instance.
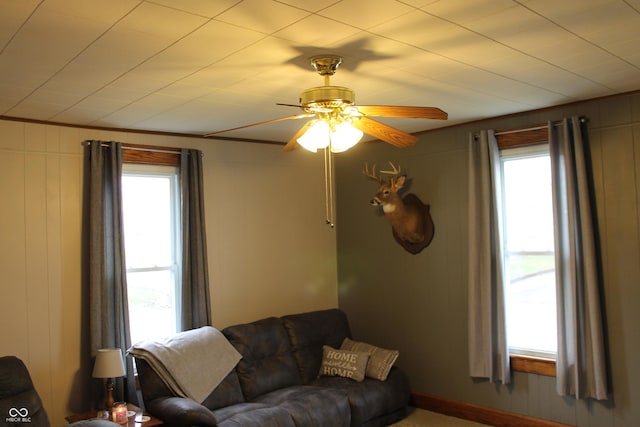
[(131, 421)]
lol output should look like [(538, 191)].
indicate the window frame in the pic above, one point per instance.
[(135, 158), (516, 138), (150, 155)]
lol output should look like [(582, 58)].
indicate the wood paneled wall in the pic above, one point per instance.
[(270, 252)]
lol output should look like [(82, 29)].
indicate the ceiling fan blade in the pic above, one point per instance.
[(384, 132), (288, 105), (403, 111), (293, 142), (297, 116)]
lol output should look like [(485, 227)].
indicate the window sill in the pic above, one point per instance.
[(533, 365)]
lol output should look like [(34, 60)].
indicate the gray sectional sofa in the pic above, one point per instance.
[(277, 381)]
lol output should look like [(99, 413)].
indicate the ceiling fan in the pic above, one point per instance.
[(335, 119)]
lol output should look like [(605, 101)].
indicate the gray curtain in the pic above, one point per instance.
[(580, 366), (196, 305), (488, 350), (105, 283)]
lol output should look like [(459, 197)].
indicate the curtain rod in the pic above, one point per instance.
[(152, 150), (556, 123), (136, 148), (506, 132)]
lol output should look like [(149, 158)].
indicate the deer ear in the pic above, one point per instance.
[(398, 183)]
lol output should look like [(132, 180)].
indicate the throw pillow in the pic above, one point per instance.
[(343, 363), (381, 359)]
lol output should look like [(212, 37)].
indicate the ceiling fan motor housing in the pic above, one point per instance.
[(329, 97)]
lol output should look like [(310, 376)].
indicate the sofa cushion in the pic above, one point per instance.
[(308, 332), (372, 399), (227, 393), (311, 406), (180, 412), (380, 361), (253, 414), (343, 363), (267, 363), (18, 396)]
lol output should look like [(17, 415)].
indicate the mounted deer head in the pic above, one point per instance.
[(410, 219)]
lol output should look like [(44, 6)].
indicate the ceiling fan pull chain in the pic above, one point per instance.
[(328, 186)]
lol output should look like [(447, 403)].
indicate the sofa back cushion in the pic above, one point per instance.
[(267, 363), (308, 332), (228, 392), (18, 396)]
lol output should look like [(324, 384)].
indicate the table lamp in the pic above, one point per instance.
[(109, 365)]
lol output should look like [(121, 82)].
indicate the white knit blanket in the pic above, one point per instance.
[(190, 363)]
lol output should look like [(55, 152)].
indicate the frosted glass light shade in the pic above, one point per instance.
[(316, 137), (344, 136)]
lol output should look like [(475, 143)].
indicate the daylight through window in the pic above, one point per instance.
[(529, 251), (151, 229)]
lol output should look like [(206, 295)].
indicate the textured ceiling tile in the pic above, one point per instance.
[(190, 55), (200, 65), (265, 16), (14, 14), (164, 23), (205, 8), (309, 5), (459, 11), (316, 31), (355, 13)]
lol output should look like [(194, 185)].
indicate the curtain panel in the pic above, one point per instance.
[(488, 349), (104, 268), (580, 366), (105, 282), (196, 302)]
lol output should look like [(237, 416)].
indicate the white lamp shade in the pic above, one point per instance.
[(108, 364), (344, 137), (316, 137)]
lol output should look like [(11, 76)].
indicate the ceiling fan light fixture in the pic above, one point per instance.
[(344, 136), (323, 133), (316, 137)]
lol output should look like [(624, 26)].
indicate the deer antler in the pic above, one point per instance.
[(372, 174), (395, 171)]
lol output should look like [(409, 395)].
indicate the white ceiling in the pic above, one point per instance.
[(199, 66)]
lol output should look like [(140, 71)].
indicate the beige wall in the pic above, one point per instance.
[(270, 252), (418, 303)]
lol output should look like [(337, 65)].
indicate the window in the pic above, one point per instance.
[(151, 228), (529, 251)]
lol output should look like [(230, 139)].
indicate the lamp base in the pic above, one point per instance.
[(108, 402)]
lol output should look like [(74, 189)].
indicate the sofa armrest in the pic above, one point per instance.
[(181, 412)]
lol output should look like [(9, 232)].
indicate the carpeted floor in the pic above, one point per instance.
[(420, 417)]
